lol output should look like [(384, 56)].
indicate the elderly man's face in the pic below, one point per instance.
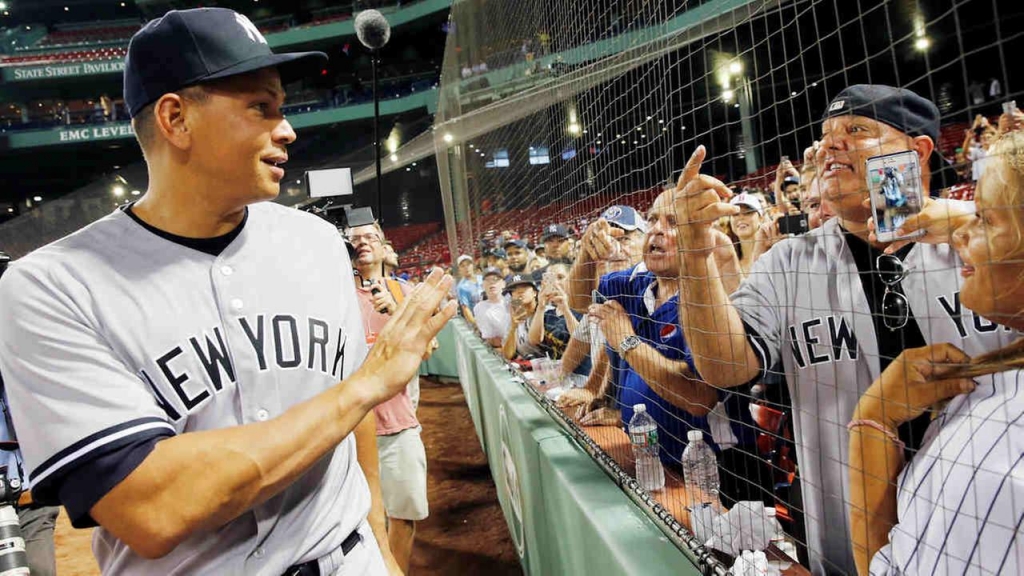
[(846, 144)]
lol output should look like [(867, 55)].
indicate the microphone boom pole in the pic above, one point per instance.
[(373, 31)]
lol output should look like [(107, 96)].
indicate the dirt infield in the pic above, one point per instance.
[(466, 532)]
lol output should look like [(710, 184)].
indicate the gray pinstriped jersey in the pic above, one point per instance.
[(805, 301), (113, 331)]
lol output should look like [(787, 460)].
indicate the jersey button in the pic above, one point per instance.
[(237, 304), (258, 553), (227, 270), (262, 415)]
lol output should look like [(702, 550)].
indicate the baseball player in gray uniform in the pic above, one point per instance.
[(816, 301), (187, 372)]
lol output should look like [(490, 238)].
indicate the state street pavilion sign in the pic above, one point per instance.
[(49, 71)]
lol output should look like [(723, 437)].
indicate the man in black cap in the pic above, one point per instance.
[(190, 373), (557, 244), (834, 306), (518, 256)]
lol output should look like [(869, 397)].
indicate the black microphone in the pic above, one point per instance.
[(372, 29)]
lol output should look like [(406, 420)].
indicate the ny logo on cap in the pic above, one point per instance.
[(553, 228), (250, 29), (517, 278), (837, 105)]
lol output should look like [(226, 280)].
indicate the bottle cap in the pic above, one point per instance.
[(695, 436), (639, 408)]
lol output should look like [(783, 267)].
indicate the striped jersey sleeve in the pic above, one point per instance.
[(961, 500), (72, 399)]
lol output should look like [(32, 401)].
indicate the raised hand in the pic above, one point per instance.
[(700, 201), (598, 243), (909, 386)]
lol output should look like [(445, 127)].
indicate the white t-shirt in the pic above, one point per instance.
[(492, 318)]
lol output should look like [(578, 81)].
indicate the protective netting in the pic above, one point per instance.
[(558, 118)]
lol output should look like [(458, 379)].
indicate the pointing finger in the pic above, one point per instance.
[(692, 168)]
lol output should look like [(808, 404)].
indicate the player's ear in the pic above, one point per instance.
[(169, 115), (924, 146)]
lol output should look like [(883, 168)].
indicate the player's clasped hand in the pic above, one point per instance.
[(909, 386), (401, 344), (699, 202)]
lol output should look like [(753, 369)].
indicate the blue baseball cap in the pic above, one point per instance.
[(516, 242), (183, 48), (498, 253), (625, 217)]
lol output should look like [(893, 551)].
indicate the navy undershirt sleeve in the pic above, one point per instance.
[(82, 487)]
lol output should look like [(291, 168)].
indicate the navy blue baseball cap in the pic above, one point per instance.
[(513, 280), (904, 110), (552, 230), (625, 217), (900, 108), (183, 48)]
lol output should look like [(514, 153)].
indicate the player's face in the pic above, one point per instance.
[(240, 136), (517, 258), (660, 253), (745, 224), (990, 246), (368, 244), (846, 144)]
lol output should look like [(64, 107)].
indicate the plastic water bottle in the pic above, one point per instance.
[(700, 471), (643, 435)]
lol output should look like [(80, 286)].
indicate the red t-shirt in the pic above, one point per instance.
[(396, 414)]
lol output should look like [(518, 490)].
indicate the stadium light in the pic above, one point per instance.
[(394, 157), (3, 5), (736, 68), (574, 129), (117, 190), (136, 193), (37, 198), (448, 138), (727, 95), (922, 44)]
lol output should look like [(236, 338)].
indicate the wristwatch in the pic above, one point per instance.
[(628, 343)]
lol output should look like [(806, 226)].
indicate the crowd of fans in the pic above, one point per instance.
[(707, 309)]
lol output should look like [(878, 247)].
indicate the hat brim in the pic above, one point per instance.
[(291, 66), (509, 287)]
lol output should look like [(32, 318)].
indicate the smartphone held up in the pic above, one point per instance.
[(895, 188)]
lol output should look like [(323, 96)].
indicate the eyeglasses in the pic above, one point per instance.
[(369, 238), (895, 308)]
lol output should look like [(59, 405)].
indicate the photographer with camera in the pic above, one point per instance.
[(36, 521)]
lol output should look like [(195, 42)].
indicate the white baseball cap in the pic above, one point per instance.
[(463, 257), (748, 200)]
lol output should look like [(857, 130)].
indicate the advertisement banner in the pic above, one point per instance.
[(50, 71)]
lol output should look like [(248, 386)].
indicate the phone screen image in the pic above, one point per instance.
[(894, 183)]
